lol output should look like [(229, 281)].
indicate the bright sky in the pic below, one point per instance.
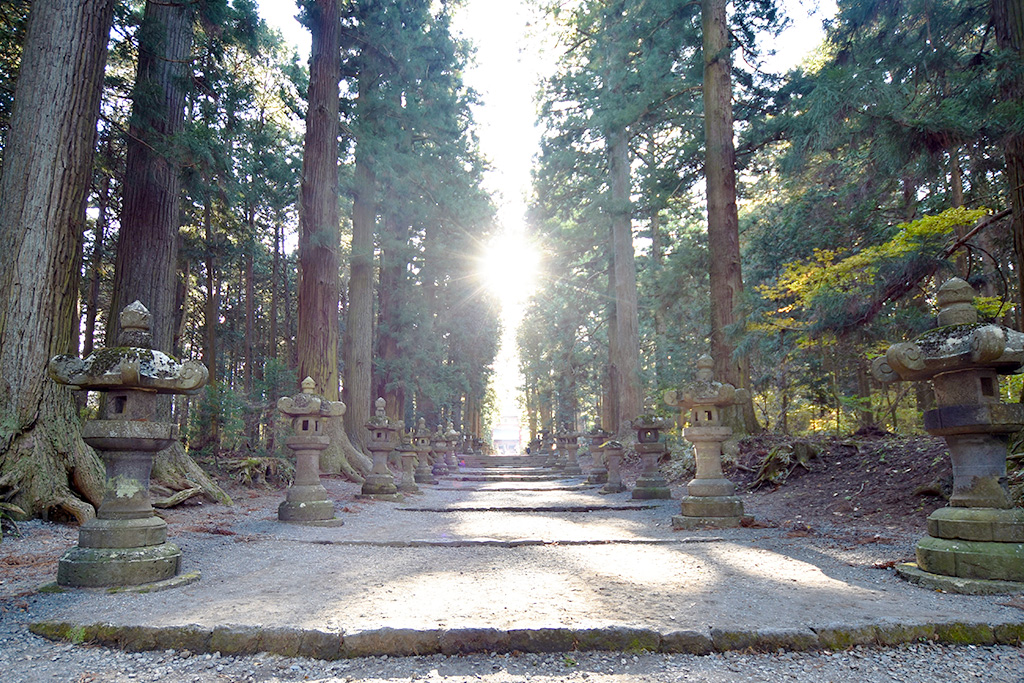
[(510, 61)]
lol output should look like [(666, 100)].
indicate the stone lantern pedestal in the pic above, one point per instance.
[(306, 499), (409, 455), (568, 446), (613, 452), (438, 446), (976, 545), (126, 543), (380, 483), (711, 499), (650, 484), (599, 470), (452, 438), (421, 442)]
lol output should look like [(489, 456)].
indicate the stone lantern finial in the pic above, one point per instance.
[(308, 386), (380, 407), (705, 369), (955, 303), (134, 321)]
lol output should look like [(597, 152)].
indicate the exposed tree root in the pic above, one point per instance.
[(341, 457), (176, 470)]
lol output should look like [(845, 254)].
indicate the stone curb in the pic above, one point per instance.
[(515, 543), (548, 508), (318, 644)]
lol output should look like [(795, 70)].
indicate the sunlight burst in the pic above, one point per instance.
[(509, 268)]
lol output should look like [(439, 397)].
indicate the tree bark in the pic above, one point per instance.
[(725, 276), (357, 347), (392, 289), (47, 164), (1008, 22), (626, 354), (319, 237), (147, 242)]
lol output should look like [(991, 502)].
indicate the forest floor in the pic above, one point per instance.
[(867, 480)]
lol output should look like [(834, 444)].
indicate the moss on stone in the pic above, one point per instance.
[(960, 633)]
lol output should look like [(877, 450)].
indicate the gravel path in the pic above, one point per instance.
[(465, 556)]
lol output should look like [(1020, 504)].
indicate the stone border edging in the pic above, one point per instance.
[(317, 644), (512, 543)]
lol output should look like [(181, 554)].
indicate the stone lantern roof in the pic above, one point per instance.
[(959, 343), (133, 364), (309, 403), (705, 395)]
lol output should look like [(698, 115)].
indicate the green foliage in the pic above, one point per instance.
[(13, 23), (839, 289)]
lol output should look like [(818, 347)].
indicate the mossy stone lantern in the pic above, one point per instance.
[(380, 482), (126, 543), (978, 541), (650, 484), (408, 453), (613, 452), (421, 441), (439, 445), (711, 499), (568, 447), (452, 438), (599, 469), (306, 500)]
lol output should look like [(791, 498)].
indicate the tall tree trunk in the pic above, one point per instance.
[(610, 381), (250, 304), (272, 347), (319, 237), (96, 258), (725, 276), (46, 170), (392, 289), (358, 341), (147, 242), (660, 322), (626, 354), (212, 316), (1008, 21)]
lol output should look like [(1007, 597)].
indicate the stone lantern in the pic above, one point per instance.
[(421, 441), (126, 543), (711, 499), (452, 437), (599, 470), (380, 482), (650, 484), (408, 453), (568, 446), (306, 499), (613, 452), (979, 538), (439, 445)]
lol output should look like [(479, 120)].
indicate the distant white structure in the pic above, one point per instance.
[(506, 434)]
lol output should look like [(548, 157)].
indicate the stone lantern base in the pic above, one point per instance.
[(971, 550), (379, 485), (651, 485), (719, 512), (598, 475), (307, 504), (119, 552), (98, 567)]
